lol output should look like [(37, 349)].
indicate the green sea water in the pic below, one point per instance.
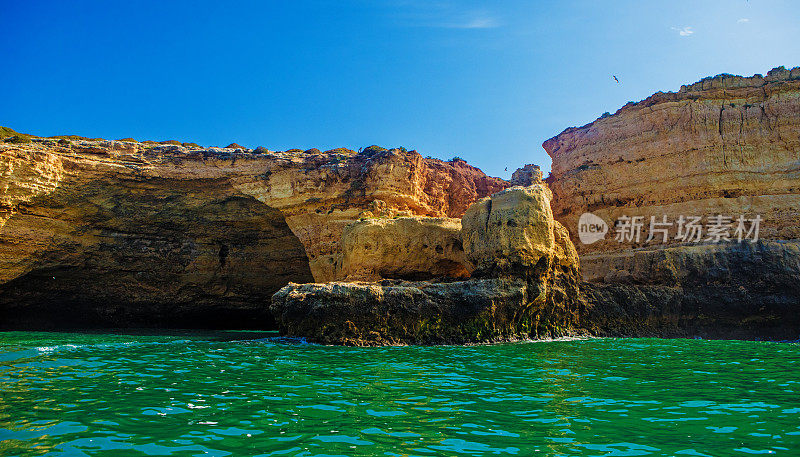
[(238, 394)]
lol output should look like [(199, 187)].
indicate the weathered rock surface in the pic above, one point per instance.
[(726, 145), (526, 286), (510, 232), (398, 313), (117, 233), (321, 194), (720, 291), (528, 175), (412, 248)]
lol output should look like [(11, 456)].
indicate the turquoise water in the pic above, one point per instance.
[(226, 393)]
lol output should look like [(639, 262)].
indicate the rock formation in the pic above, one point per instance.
[(510, 232), (528, 175), (713, 291), (526, 285), (727, 145), (121, 233), (403, 248)]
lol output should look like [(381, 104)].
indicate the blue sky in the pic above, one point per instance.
[(486, 81)]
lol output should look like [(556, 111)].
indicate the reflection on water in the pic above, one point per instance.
[(235, 393)]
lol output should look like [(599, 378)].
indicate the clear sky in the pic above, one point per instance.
[(486, 81)]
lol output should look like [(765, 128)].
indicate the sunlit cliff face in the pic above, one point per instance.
[(117, 233), (726, 145)]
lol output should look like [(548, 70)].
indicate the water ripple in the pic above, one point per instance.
[(234, 393)]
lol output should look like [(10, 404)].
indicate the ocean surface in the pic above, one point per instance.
[(245, 393)]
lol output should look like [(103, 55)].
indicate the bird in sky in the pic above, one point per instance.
[(615, 78)]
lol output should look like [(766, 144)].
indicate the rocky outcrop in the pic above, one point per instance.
[(119, 233), (526, 285), (510, 232), (403, 248), (727, 145), (401, 313), (528, 175), (714, 291), (320, 194)]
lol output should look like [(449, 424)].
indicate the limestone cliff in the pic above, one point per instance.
[(747, 291), (727, 145), (526, 285), (96, 232)]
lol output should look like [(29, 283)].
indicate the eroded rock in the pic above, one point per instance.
[(713, 291), (510, 232), (403, 248), (399, 313), (119, 233), (726, 145), (528, 287)]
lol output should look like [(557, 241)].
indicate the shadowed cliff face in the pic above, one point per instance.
[(731, 291), (148, 252), (99, 233)]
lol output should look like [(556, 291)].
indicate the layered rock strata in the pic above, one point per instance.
[(117, 233), (727, 145), (526, 285), (742, 291)]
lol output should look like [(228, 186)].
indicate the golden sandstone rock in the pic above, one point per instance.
[(526, 284), (403, 248), (98, 232), (114, 233), (510, 231), (725, 145)]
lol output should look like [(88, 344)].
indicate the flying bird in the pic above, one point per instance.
[(615, 78)]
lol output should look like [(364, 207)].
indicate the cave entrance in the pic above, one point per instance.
[(154, 253)]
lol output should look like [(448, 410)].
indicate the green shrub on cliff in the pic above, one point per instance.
[(9, 135), (6, 132), (374, 149), (340, 151), (18, 139), (75, 138)]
